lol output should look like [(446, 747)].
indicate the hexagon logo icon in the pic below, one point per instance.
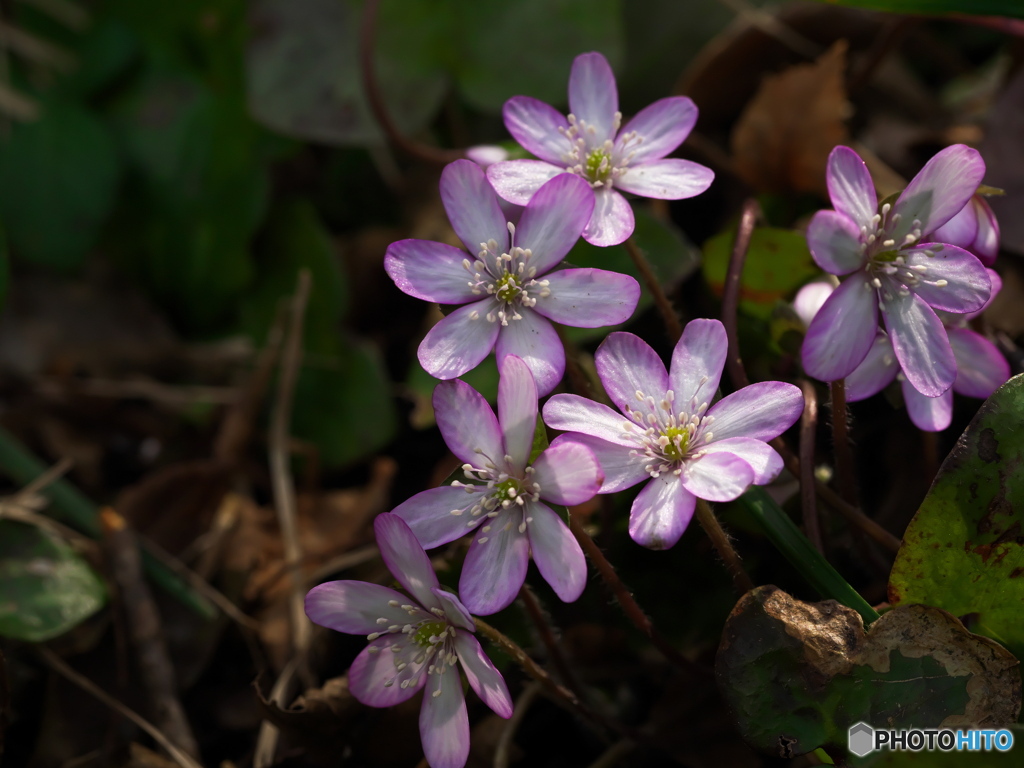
[(861, 739)]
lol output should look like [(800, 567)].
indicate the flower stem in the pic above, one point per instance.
[(720, 541), (731, 294), (629, 606), (808, 495), (547, 637), (668, 313), (841, 442)]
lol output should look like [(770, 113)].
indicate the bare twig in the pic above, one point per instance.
[(16, 105), (720, 541), (771, 26), (367, 38), (146, 631), (665, 309), (508, 733), (58, 470), (547, 637), (154, 391), (67, 13), (808, 495), (845, 474), (35, 49), (731, 292), (57, 664), (280, 694)]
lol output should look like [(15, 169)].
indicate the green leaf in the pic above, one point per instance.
[(45, 587), (801, 554), (798, 675), (778, 262), (58, 177), (344, 405), (964, 549), (972, 7), (672, 258), (304, 77), (557, 31), (483, 378)]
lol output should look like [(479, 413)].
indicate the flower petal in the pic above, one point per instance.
[(850, 187), (353, 607), (494, 570), (959, 230), (429, 514), (467, 424), (482, 675), (459, 342), (535, 340), (661, 127), (670, 178), (567, 472), (875, 373), (455, 612), (842, 332), (572, 413), (556, 552), (834, 241), (661, 512), (763, 410), (697, 363), (535, 125), (472, 206), (593, 97), (554, 219), (932, 414), (589, 298), (622, 469), (626, 365), (517, 180), (717, 476), (966, 283), (920, 343), (986, 242), (761, 457), (517, 409), (444, 723), (939, 190), (808, 300), (406, 559), (429, 271), (612, 221), (371, 671), (980, 367)]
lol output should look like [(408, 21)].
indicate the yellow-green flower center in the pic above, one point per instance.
[(678, 442), (507, 489), (508, 287), (428, 630), (598, 166)]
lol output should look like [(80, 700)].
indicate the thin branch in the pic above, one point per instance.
[(665, 309), (845, 474), (547, 637), (58, 665), (508, 733), (731, 293), (808, 495), (280, 469), (67, 13), (264, 755), (720, 541), (34, 48), (367, 38)]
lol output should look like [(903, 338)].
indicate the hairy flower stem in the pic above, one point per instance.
[(558, 693), (731, 295), (841, 442), (629, 606), (808, 495), (547, 636), (668, 313), (720, 541)]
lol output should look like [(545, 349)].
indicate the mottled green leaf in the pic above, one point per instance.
[(964, 549), (798, 675), (778, 262), (58, 176), (45, 587)]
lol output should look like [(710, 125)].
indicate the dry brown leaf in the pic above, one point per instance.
[(783, 138)]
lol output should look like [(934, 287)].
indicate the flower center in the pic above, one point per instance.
[(508, 490), (429, 633), (678, 441), (508, 277), (598, 166), (496, 494), (594, 160), (669, 435)]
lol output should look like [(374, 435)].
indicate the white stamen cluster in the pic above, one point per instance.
[(497, 491), (667, 437), (429, 647), (890, 273), (506, 276), (598, 163)]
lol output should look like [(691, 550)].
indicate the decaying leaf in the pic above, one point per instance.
[(798, 675), (782, 141)]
